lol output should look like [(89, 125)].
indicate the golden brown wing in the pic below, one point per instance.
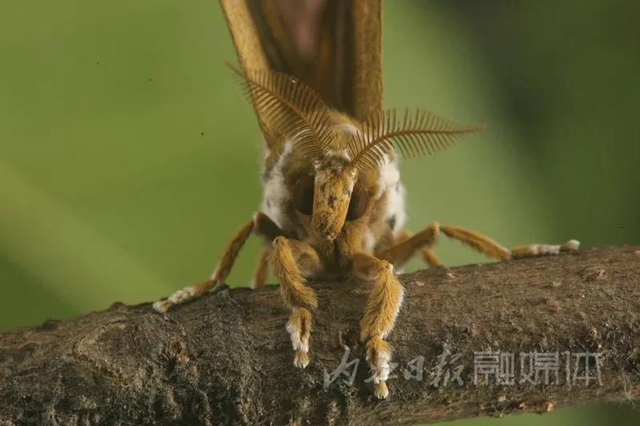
[(334, 46)]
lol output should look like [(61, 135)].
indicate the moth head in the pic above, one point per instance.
[(334, 181), (329, 193), (329, 197)]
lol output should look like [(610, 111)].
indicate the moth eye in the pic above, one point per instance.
[(303, 195), (358, 203)]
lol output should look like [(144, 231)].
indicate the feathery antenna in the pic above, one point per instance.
[(288, 107), (419, 133)]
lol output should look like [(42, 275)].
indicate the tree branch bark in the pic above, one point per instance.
[(226, 358)]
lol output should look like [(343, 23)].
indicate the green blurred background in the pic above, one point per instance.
[(128, 156)]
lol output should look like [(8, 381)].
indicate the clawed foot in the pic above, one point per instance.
[(301, 359), (570, 246), (380, 390), (299, 328), (378, 356), (533, 250), (180, 296), (187, 293)]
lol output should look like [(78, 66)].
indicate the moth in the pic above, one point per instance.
[(333, 203)]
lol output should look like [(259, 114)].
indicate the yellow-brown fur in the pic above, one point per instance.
[(329, 188)]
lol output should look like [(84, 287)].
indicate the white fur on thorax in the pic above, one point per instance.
[(396, 193), (275, 191)]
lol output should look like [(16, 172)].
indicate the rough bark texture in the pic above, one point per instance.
[(226, 358)]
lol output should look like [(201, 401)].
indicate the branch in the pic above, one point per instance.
[(226, 358)]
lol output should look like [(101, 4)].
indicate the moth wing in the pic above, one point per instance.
[(334, 46)]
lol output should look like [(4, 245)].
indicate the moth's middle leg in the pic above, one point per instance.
[(292, 261), (421, 245), (425, 239), (262, 270), (495, 250)]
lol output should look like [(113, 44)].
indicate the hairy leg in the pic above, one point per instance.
[(491, 248), (425, 239), (260, 224), (427, 253), (291, 262), (383, 305), (407, 245), (261, 271)]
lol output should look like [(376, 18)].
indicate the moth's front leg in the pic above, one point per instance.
[(379, 316), (291, 262)]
